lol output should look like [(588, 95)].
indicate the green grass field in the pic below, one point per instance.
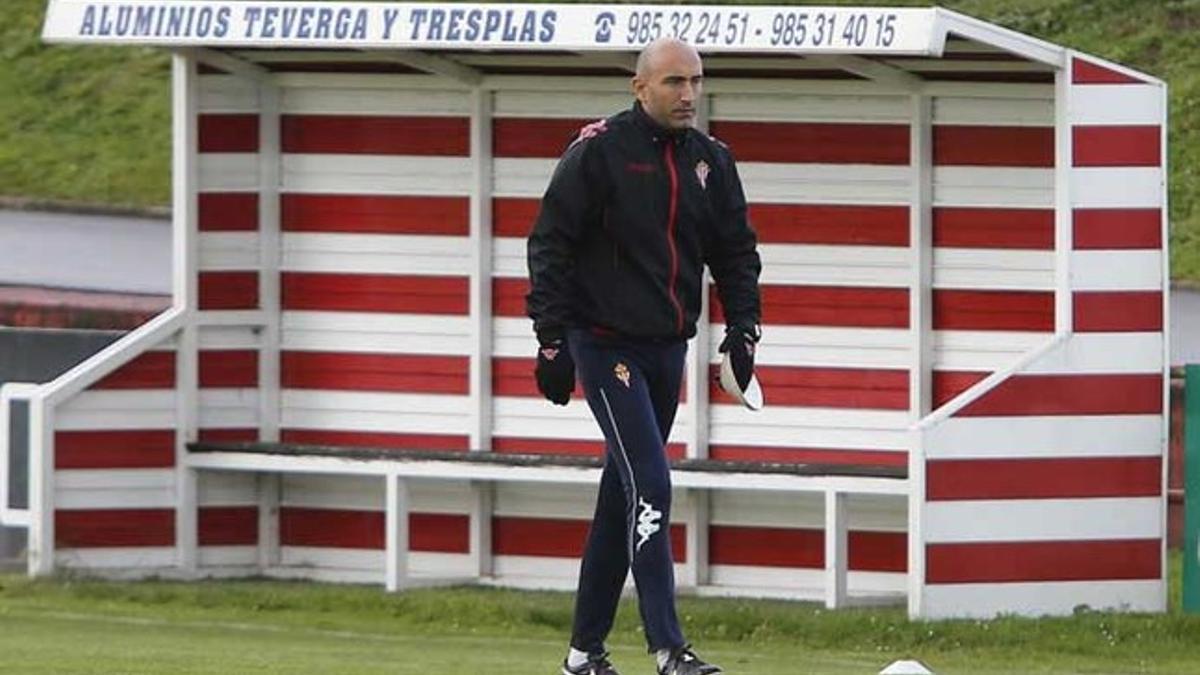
[(90, 124), (67, 626)]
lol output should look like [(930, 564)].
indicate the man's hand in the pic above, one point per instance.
[(740, 342), (555, 370)]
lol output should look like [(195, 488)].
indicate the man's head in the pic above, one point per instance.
[(668, 80)]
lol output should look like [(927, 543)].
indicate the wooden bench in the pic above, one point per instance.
[(395, 467)]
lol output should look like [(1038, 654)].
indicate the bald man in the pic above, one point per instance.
[(639, 203)]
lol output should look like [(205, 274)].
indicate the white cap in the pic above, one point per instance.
[(752, 397)]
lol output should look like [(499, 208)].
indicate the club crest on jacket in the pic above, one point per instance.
[(702, 173), (622, 373)]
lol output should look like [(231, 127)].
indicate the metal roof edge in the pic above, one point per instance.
[(949, 21)]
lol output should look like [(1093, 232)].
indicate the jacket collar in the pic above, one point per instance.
[(656, 131)]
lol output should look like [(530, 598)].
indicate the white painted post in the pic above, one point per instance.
[(920, 331), (185, 291), (696, 367), (483, 498), (396, 524), (920, 246), (1063, 216), (836, 549), (481, 271), (270, 489), (270, 244), (41, 488), (696, 572)]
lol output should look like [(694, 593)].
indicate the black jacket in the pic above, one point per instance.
[(631, 216)]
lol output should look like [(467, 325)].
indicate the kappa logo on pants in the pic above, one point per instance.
[(647, 522)]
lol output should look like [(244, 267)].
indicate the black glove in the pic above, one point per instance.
[(740, 342), (555, 370)]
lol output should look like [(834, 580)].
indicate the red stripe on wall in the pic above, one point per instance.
[(508, 297), (374, 293), (228, 290), (227, 435), (1116, 145), (1083, 477), (564, 446), (138, 449), (828, 306), (115, 528), (1043, 478), (376, 440), (529, 137), (1117, 311), (227, 132), (766, 546), (514, 216), (861, 388), (948, 384), (151, 370), (1086, 72), (955, 145), (1043, 561), (227, 525), (375, 214), (993, 310), (835, 456), (558, 538), (439, 532), (830, 224), (228, 368), (1122, 394), (877, 551), (804, 548), (815, 142), (963, 227), (414, 373), (1117, 228), (336, 528), (513, 376), (227, 211), (375, 135), (331, 528)]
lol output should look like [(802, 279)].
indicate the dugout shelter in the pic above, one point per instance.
[(964, 284)]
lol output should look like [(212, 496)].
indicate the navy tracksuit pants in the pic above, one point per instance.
[(632, 388)]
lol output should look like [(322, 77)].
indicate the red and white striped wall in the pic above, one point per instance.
[(338, 299), (830, 181), (115, 487), (1043, 491)]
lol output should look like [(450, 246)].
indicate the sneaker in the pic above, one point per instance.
[(684, 661), (597, 664)]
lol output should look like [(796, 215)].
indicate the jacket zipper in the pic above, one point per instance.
[(669, 156)]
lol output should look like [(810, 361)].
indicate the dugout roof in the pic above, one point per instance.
[(470, 42)]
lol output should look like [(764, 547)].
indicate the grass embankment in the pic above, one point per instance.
[(93, 124), (80, 626)]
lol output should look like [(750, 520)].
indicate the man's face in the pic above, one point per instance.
[(670, 87)]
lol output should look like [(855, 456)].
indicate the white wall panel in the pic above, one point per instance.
[(227, 172), (375, 174), (822, 108), (985, 601), (372, 101), (1015, 437), (1043, 520), (226, 94), (1127, 104), (376, 332), (375, 254)]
